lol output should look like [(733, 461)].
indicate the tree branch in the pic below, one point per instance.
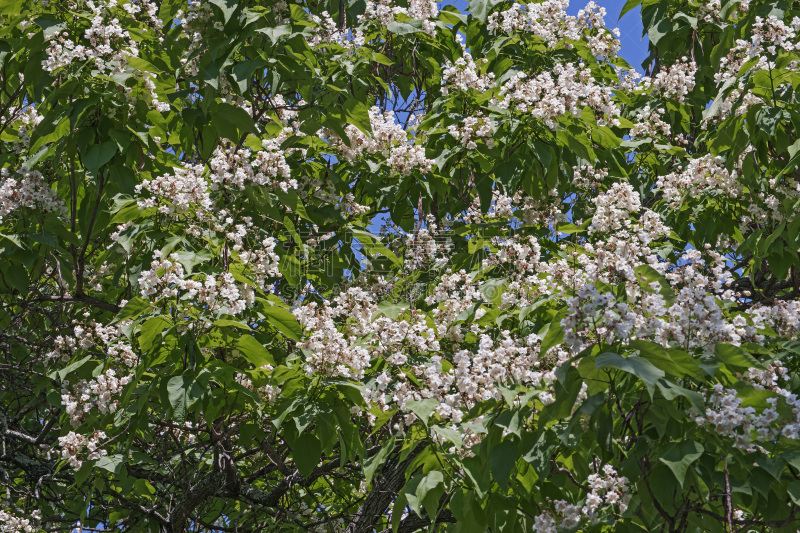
[(83, 298)]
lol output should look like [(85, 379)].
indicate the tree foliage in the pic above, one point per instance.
[(374, 265)]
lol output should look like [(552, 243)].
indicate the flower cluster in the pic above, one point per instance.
[(150, 85), (539, 211), (700, 175), (166, 279), (12, 523), (388, 140), (261, 260), (708, 10), (109, 44), (74, 446), (607, 490), (109, 339), (195, 23), (149, 8), (465, 74), (612, 209), (567, 88), (328, 32), (384, 11), (747, 426), (179, 191), (770, 36), (471, 128), (648, 123), (549, 22), (675, 82), (79, 399), (267, 167), (591, 310), (29, 118), (782, 317), (428, 246), (344, 334), (30, 190), (588, 177), (330, 351)]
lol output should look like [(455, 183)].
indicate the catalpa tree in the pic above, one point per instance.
[(370, 266)]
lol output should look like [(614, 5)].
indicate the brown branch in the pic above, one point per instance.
[(728, 499), (83, 298)]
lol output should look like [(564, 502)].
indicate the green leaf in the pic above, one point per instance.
[(178, 394), (134, 308), (128, 213), (11, 7), (630, 4), (793, 488), (511, 421), (680, 456), (151, 329), (45, 238), (752, 397), (189, 258), (418, 489), (716, 106), (232, 123), (382, 59), (502, 459), (306, 452), (648, 275), (509, 173), (671, 391), (357, 114), (72, 367), (242, 73), (14, 239), (17, 278), (468, 314), (493, 290), (111, 463), (372, 464), (228, 323), (567, 387), (768, 118), (638, 366), (404, 28), (423, 408), (390, 309), (254, 351), (42, 135), (554, 335), (673, 361), (659, 31), (480, 8), (227, 7), (448, 434), (140, 64), (98, 155), (274, 34), (373, 245), (734, 356), (291, 200), (49, 25), (284, 321)]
